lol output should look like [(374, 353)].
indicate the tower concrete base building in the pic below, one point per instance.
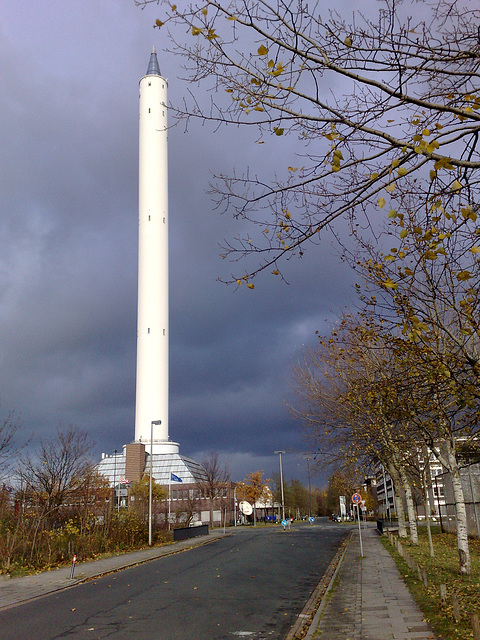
[(152, 388)]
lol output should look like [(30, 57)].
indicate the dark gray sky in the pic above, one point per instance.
[(68, 265)]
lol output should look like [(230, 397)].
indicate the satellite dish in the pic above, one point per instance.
[(245, 507)]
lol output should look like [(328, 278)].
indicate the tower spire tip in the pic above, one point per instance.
[(153, 66)]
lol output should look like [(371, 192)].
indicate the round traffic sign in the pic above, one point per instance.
[(356, 498), (246, 508)]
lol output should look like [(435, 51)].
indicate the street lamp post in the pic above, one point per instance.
[(114, 478), (308, 458), (235, 505), (150, 492), (281, 482)]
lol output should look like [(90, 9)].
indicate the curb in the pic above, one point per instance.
[(307, 620), (94, 576), (145, 560)]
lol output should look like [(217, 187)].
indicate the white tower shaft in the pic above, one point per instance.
[(152, 321)]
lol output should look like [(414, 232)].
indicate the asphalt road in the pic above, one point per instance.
[(250, 585)]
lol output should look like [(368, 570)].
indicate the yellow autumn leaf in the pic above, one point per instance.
[(456, 185), (389, 284), (468, 213), (262, 51), (348, 41), (403, 233), (402, 171), (250, 285), (381, 202), (392, 213), (475, 249), (196, 31), (464, 275), (391, 187)]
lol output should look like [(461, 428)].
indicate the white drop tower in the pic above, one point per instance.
[(152, 322)]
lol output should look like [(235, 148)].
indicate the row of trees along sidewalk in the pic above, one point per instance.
[(393, 150)]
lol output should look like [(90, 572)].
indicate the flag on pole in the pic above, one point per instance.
[(175, 478)]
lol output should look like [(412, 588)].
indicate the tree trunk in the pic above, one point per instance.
[(395, 476), (412, 518), (426, 502), (462, 529), (449, 461)]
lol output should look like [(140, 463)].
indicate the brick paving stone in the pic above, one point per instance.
[(369, 599)]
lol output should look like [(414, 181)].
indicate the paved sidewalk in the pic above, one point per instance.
[(14, 591), (368, 600)]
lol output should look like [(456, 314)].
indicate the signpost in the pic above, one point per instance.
[(74, 562), (356, 500)]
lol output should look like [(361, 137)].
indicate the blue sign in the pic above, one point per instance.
[(284, 522), (312, 519)]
